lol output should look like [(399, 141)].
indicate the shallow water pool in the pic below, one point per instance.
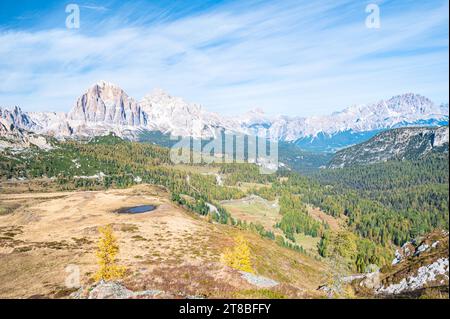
[(137, 209)]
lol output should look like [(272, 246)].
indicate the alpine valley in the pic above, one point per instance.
[(358, 207)]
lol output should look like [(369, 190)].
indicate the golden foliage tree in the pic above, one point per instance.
[(239, 257), (106, 254), (345, 245)]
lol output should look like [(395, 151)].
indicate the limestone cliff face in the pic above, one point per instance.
[(107, 103)]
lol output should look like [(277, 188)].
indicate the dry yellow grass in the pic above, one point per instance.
[(309, 243), (50, 231), (246, 186), (335, 224), (255, 210)]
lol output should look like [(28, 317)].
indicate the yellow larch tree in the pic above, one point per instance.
[(239, 257), (106, 253)]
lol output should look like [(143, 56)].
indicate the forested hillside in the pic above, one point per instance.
[(409, 143), (382, 205), (290, 155)]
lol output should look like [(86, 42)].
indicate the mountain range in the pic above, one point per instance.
[(106, 108)]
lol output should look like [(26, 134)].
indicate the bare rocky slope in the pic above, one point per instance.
[(403, 143), (14, 138), (420, 269)]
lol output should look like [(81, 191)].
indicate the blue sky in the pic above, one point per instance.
[(288, 57)]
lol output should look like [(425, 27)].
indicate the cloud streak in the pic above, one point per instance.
[(290, 57)]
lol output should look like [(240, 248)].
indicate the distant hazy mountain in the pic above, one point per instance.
[(359, 123), (402, 143), (170, 114), (105, 108)]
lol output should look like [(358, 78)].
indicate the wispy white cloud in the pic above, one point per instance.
[(94, 7), (286, 57)]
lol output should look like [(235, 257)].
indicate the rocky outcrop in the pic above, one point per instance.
[(109, 290), (434, 274), (418, 266), (258, 281), (116, 290)]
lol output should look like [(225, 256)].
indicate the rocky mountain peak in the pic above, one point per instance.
[(158, 93), (107, 103), (160, 103), (255, 117), (17, 117), (159, 97), (411, 102), (103, 83), (105, 107)]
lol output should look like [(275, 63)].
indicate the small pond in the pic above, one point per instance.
[(136, 209)]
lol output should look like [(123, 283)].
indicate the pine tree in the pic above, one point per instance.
[(323, 245)]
